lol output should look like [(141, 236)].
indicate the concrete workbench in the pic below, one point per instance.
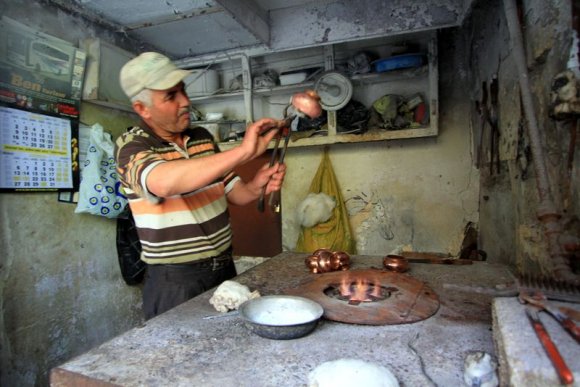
[(181, 348)]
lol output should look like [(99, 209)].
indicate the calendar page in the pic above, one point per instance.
[(37, 151)]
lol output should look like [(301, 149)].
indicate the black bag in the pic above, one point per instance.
[(129, 251)]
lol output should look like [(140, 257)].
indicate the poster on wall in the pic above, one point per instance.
[(38, 71), (40, 92)]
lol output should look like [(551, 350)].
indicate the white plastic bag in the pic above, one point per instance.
[(99, 189)]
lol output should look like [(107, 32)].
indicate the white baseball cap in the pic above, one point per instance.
[(150, 70)]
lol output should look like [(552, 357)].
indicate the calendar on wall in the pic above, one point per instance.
[(38, 152), (40, 89)]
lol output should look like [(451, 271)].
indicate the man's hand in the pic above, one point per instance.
[(269, 177), (253, 143), (272, 178)]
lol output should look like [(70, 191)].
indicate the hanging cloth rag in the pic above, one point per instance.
[(335, 233)]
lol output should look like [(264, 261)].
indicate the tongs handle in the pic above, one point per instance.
[(564, 373), (261, 205), (567, 323), (274, 201), (571, 327)]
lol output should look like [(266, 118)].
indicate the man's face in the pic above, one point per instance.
[(169, 111)]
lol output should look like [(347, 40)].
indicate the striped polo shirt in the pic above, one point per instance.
[(181, 228)]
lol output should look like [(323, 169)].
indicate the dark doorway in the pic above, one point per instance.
[(255, 233)]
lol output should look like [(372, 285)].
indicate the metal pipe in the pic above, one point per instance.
[(547, 212)]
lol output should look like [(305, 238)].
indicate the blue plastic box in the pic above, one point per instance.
[(399, 62)]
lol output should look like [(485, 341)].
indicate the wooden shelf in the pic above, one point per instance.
[(369, 136), (286, 89), (218, 122), (390, 76), (264, 91), (217, 96)]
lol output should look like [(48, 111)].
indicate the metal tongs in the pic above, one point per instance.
[(536, 302), (306, 104), (540, 301)]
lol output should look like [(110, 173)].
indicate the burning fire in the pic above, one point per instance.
[(360, 290)]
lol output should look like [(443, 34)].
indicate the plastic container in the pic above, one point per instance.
[(293, 77), (399, 62), (201, 82), (214, 116)]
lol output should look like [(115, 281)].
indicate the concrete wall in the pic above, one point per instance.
[(416, 194), (509, 198), (61, 291)]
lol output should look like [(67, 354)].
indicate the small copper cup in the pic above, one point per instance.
[(396, 263)]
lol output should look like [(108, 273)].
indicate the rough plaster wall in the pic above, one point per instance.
[(509, 199), (61, 288), (61, 292), (416, 193)]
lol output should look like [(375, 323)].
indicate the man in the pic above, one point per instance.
[(179, 185)]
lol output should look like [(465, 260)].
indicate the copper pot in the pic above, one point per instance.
[(396, 263), (308, 103), (324, 260)]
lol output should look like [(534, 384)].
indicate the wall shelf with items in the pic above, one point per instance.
[(217, 96), (413, 73), (286, 89), (419, 81)]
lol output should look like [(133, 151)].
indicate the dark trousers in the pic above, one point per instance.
[(167, 286)]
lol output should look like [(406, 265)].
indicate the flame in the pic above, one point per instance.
[(359, 289), (376, 290), (344, 288)]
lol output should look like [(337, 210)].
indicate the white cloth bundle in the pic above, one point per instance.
[(316, 208), (230, 295)]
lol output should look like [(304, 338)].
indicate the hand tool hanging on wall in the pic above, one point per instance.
[(488, 113), (481, 107), (494, 125)]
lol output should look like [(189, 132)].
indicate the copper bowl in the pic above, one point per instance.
[(396, 263)]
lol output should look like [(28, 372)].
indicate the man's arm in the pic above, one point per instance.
[(180, 176)]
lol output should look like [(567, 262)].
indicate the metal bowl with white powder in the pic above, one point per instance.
[(281, 317)]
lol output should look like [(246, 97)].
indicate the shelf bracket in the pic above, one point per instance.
[(329, 66), (247, 82)]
